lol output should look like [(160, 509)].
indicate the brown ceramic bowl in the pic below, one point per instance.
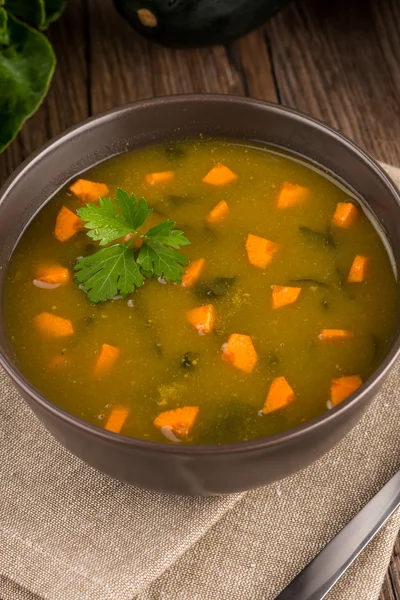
[(202, 470)]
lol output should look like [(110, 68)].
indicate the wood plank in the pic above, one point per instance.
[(338, 61), (138, 69), (66, 102)]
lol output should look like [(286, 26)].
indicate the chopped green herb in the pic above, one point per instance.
[(115, 270), (326, 238)]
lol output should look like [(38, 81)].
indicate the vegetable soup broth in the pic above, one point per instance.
[(163, 362)]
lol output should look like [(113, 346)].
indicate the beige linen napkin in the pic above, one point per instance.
[(68, 532)]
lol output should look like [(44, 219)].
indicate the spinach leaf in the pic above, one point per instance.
[(54, 9), (217, 287), (325, 238), (39, 13), (32, 11), (4, 37), (27, 64)]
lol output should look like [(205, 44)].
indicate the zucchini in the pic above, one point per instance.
[(190, 23)]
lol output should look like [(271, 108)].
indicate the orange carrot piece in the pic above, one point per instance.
[(53, 325), (280, 394), (335, 334), (343, 387), (202, 318), (193, 272), (106, 359), (53, 274), (358, 271), (220, 175), (292, 194), (345, 215), (218, 213), (116, 419), (58, 362), (240, 352), (284, 295), (260, 251), (67, 224), (162, 177), (89, 191), (178, 420)]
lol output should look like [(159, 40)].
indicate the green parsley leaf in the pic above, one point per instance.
[(110, 220), (162, 261), (109, 272), (114, 270), (164, 233)]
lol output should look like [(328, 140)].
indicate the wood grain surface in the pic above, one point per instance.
[(337, 61)]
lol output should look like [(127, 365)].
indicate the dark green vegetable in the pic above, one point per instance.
[(234, 420), (217, 287), (4, 37), (272, 358), (189, 23), (27, 64), (27, 61), (317, 236), (189, 360), (179, 200), (32, 11), (310, 282), (39, 13), (174, 152)]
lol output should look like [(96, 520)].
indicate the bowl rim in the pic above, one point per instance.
[(289, 435)]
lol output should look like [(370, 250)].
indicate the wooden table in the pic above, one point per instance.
[(338, 61)]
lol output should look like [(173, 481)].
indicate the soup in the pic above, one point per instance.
[(287, 304)]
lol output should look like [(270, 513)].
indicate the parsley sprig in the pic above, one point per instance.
[(119, 269)]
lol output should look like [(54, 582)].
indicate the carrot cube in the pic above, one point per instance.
[(116, 419), (260, 251), (284, 295), (89, 191), (345, 215), (220, 175), (240, 352), (162, 177), (53, 326), (343, 387), (202, 318), (292, 194), (218, 213), (67, 224), (280, 395), (179, 420), (193, 272), (106, 359), (335, 334), (358, 271), (53, 274)]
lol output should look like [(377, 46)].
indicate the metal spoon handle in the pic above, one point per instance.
[(320, 575)]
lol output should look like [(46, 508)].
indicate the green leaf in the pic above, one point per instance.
[(162, 261), (164, 233), (54, 10), (26, 68), (39, 13), (4, 37), (110, 220), (109, 272), (134, 213), (32, 11)]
